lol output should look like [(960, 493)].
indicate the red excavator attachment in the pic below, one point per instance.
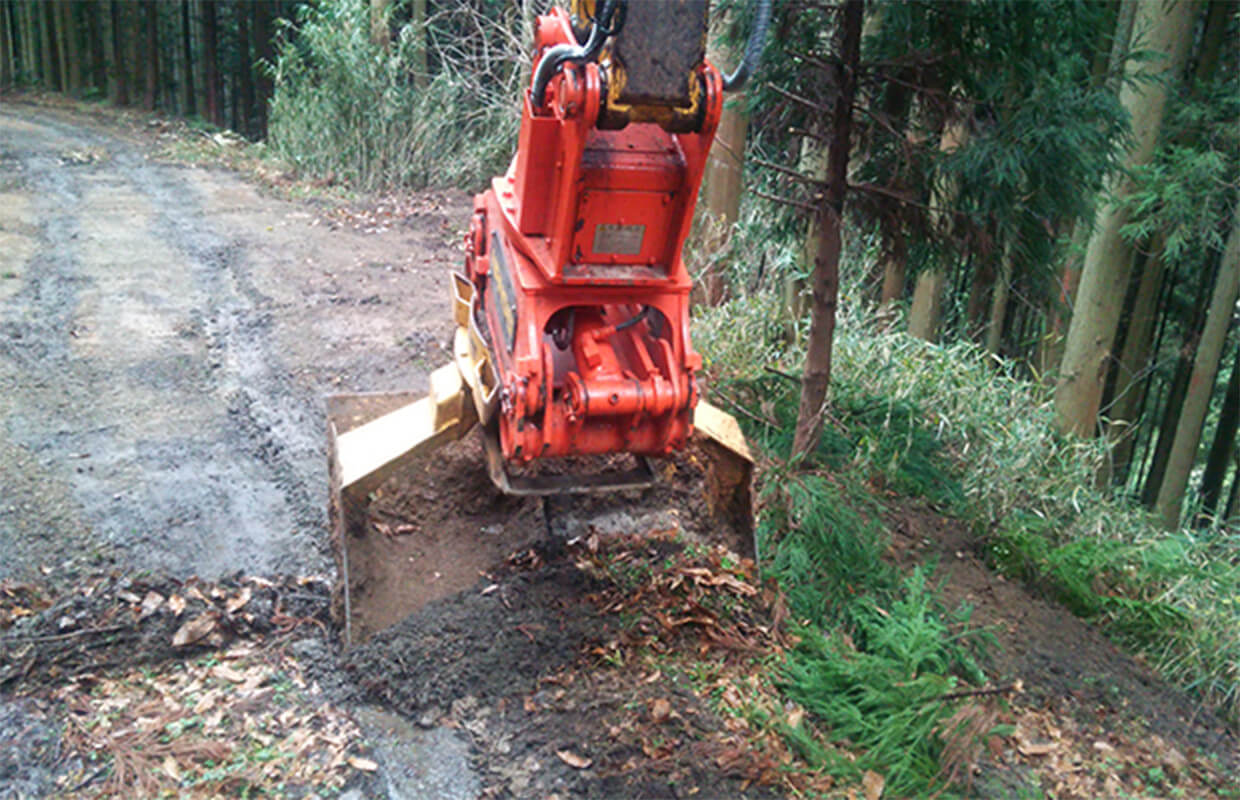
[(576, 257)]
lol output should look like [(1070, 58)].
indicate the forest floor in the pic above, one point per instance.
[(168, 329)]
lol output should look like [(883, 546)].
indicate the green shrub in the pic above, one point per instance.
[(346, 110)]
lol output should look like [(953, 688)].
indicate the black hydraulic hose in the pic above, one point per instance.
[(753, 49), (577, 54), (633, 320)]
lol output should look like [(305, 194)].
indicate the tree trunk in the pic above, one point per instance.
[(6, 48), (999, 303), (1201, 382), (98, 50), (71, 48), (417, 22), (927, 309), (1179, 386), (246, 73), (895, 271), (1133, 370), (211, 74), (721, 189), (1223, 448), (120, 75), (150, 60), (49, 79), (266, 53), (825, 291), (1232, 515), (379, 32), (1165, 28), (189, 97)]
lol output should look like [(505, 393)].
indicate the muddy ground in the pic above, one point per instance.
[(167, 332)]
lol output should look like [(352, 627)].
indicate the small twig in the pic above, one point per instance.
[(756, 418), (796, 98), (782, 374), (61, 636), (1015, 687), (801, 204), (788, 171)]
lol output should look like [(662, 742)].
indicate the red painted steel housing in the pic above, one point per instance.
[(576, 252)]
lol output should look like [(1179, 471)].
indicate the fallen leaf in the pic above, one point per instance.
[(176, 604), (660, 710), (364, 764), (872, 784), (225, 672), (193, 631), (573, 760), (150, 604), (171, 769), (1035, 748), (237, 603)]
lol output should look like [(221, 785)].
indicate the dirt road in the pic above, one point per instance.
[(166, 335)]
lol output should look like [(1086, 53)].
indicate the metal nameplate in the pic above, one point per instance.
[(620, 240)]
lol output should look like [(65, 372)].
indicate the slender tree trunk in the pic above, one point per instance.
[(246, 73), (6, 48), (380, 34), (895, 271), (417, 22), (1224, 446), (1201, 382), (1179, 387), (825, 279), (926, 312), (49, 79), (116, 65), (927, 309), (263, 33), (71, 48), (1133, 370), (999, 303), (980, 287), (189, 97), (1167, 29), (1232, 514), (210, 62), (150, 55), (722, 185), (98, 49)]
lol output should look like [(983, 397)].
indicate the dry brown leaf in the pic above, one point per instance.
[(872, 784), (197, 629), (364, 764), (660, 710), (171, 769), (1035, 748), (237, 603), (573, 760), (225, 672), (176, 604), (795, 717), (150, 604)]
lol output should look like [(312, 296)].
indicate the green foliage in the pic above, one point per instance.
[(885, 697), (1172, 596), (347, 110), (1192, 182)]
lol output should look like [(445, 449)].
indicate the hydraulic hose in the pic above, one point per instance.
[(753, 49), (577, 54)]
